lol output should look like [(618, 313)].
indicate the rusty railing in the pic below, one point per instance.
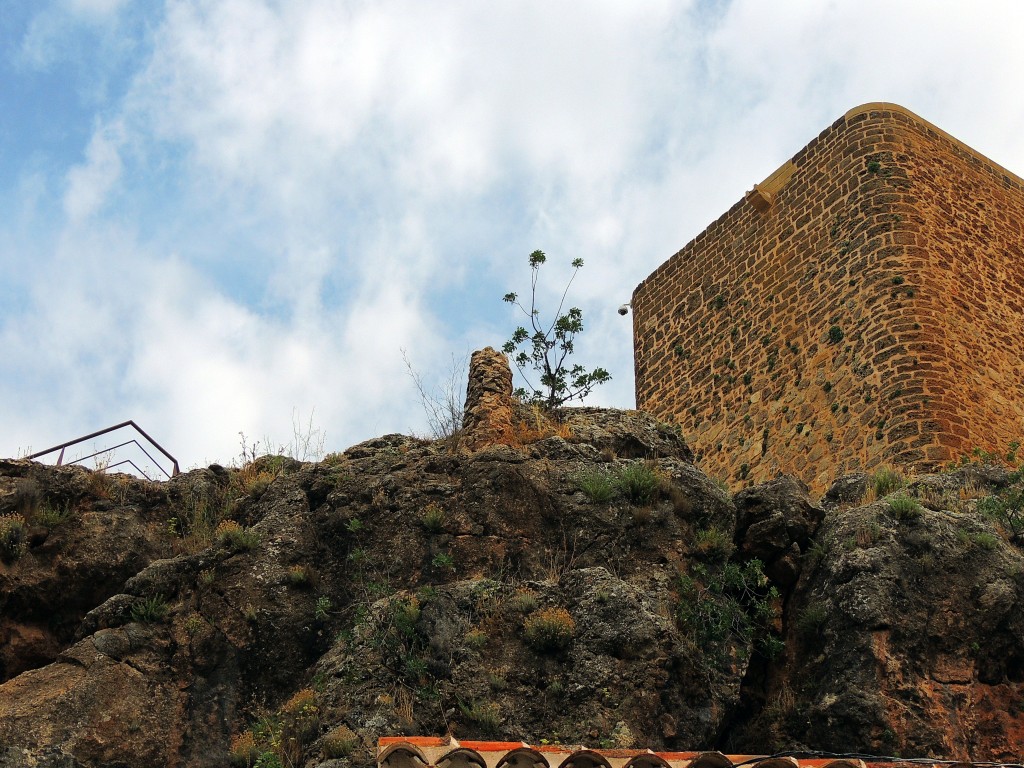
[(60, 459)]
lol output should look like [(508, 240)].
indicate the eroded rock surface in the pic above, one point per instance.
[(585, 584)]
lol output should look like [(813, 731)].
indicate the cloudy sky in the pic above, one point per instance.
[(224, 216)]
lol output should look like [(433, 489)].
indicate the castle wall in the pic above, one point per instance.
[(863, 306)]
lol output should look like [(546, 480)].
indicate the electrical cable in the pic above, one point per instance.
[(815, 754)]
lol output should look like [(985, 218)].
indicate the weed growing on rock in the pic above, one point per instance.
[(542, 424), (885, 481), (984, 540), (904, 508), (643, 515), (442, 561), (233, 536), (523, 601), (100, 484), (398, 640), (713, 543), (433, 518), (12, 537), (810, 621), (638, 481), (300, 722), (276, 740), (244, 751), (597, 485), (193, 624), (549, 629), (476, 639), (150, 610), (442, 406), (50, 515), (497, 681), (486, 715), (300, 576), (339, 742)]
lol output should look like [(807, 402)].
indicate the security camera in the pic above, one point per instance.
[(624, 309)]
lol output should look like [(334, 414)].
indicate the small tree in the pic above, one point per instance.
[(548, 347)]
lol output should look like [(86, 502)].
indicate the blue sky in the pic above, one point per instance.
[(225, 216)]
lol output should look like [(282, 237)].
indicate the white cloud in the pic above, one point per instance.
[(89, 184), (339, 180)]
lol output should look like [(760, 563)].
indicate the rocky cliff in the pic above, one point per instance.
[(576, 580)]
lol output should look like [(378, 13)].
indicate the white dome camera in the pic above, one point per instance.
[(624, 309)]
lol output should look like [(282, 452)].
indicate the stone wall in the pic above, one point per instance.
[(862, 306)]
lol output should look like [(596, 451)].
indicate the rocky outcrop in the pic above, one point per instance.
[(587, 585), (775, 523)]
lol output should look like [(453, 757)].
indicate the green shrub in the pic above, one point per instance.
[(13, 536), (442, 561), (433, 518), (905, 508), (638, 482), (885, 481), (150, 610), (549, 629), (733, 605), (597, 485), (322, 608), (1007, 507), (835, 334)]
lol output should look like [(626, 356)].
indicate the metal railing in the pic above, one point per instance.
[(60, 459)]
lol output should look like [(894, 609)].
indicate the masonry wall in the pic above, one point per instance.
[(864, 306)]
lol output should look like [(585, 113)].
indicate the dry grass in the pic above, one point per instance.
[(404, 701), (244, 750), (539, 426), (339, 742), (549, 629)]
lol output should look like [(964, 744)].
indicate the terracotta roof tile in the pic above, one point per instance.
[(423, 751)]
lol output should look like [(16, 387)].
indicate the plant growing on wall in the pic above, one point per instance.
[(546, 348)]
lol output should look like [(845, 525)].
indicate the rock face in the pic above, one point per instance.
[(588, 586)]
